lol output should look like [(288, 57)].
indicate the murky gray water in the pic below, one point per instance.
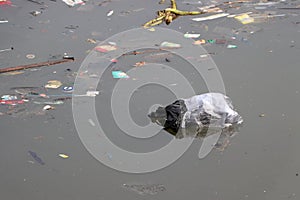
[(261, 76)]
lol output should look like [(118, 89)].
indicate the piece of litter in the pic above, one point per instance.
[(5, 2), (3, 21), (30, 56), (53, 84), (211, 17), (191, 35), (35, 13), (9, 97), (199, 42), (119, 74), (231, 46), (262, 115), (64, 156), (105, 48), (9, 49), (139, 64), (244, 19), (36, 157), (170, 45), (112, 43), (114, 60), (92, 93), (72, 3), (48, 107), (92, 41), (68, 89), (58, 102), (110, 13), (11, 102)]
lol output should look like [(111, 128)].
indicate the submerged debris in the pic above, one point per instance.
[(145, 189)]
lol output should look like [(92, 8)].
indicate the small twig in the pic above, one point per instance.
[(35, 65)]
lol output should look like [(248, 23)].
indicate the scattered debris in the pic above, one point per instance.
[(91, 93), (9, 97), (92, 41), (211, 17), (110, 13), (139, 64), (48, 63), (36, 157), (64, 156), (53, 84), (105, 48), (68, 89), (170, 45), (2, 21), (72, 3), (5, 2), (4, 50), (35, 13), (191, 35), (30, 56), (48, 107), (119, 74), (244, 19), (231, 46)]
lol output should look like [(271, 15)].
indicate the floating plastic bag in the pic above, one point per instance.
[(196, 114)]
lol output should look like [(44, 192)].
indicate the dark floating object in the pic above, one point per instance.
[(36, 157)]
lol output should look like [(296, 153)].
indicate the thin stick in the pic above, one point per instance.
[(35, 65)]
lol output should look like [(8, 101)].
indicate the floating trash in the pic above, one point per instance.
[(139, 64), (170, 45), (105, 48), (211, 41), (110, 13), (36, 157), (191, 35), (48, 107), (53, 84), (244, 19), (8, 97), (30, 56), (72, 3), (92, 41), (5, 2), (35, 13), (68, 89), (12, 102), (64, 156), (231, 46), (119, 74), (92, 93), (145, 189), (211, 17), (199, 42)]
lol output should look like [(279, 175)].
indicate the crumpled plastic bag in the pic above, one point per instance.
[(198, 116)]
